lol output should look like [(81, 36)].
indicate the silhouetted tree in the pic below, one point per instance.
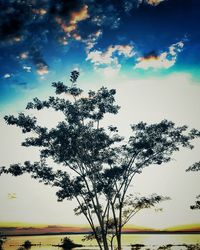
[(27, 244), (195, 167), (67, 241), (2, 240), (132, 205), (1, 243), (99, 164)]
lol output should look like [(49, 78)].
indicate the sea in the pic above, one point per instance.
[(129, 242)]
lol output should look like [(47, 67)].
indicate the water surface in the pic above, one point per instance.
[(151, 241)]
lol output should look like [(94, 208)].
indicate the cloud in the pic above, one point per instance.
[(24, 55), (41, 66), (108, 15), (63, 40), (97, 57), (42, 69), (27, 20), (76, 17), (14, 16), (106, 20), (107, 62), (164, 60), (76, 36), (134, 4), (131, 4), (40, 11), (154, 2), (92, 40), (27, 68), (71, 26), (7, 76)]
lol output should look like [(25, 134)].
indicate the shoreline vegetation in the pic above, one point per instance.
[(67, 243)]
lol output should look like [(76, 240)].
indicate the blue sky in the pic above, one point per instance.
[(41, 41), (148, 50)]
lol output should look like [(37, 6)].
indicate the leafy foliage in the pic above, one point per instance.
[(197, 203), (195, 167), (97, 165)]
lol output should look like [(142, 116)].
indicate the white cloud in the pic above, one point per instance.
[(165, 60), (109, 18), (92, 40), (7, 76), (42, 69), (108, 61), (98, 57), (27, 68)]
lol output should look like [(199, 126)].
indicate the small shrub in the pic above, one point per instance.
[(67, 242), (27, 244)]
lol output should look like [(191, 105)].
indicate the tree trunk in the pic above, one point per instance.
[(119, 242), (105, 241), (119, 236), (111, 242), (97, 239)]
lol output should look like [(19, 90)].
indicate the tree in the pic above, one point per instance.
[(1, 244), (195, 167), (132, 205), (2, 240), (27, 244), (99, 164)]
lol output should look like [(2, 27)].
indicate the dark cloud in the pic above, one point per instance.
[(37, 59), (129, 5), (151, 54), (33, 21), (14, 16), (105, 17), (30, 25), (63, 8)]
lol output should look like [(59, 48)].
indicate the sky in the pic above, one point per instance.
[(148, 50)]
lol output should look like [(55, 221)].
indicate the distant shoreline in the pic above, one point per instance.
[(81, 233)]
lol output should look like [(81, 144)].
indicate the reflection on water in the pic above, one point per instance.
[(150, 242)]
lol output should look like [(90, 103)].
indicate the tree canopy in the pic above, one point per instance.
[(194, 168), (97, 164)]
